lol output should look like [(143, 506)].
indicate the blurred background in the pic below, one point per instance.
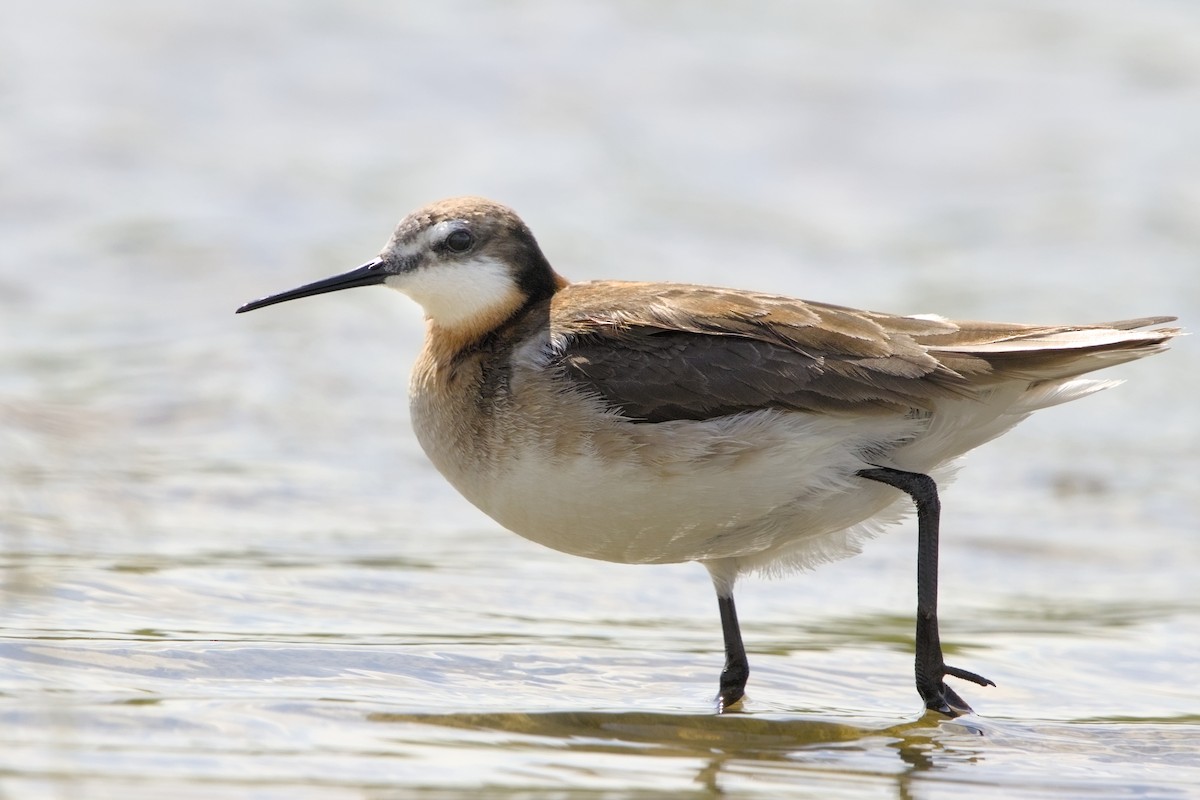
[(227, 566)]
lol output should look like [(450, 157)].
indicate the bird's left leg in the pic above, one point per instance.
[(931, 667)]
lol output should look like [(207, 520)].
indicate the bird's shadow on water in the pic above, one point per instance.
[(721, 740)]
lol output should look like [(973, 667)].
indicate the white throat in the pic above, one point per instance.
[(460, 294)]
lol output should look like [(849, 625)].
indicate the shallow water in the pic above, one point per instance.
[(228, 569)]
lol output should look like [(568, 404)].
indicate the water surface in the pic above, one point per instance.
[(227, 569)]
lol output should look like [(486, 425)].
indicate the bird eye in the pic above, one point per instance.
[(459, 241)]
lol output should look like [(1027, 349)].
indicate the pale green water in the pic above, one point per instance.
[(229, 571)]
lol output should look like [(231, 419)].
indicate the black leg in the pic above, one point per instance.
[(931, 668), (737, 667)]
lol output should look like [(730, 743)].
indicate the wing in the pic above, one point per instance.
[(660, 352)]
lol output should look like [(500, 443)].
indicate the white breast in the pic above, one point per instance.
[(766, 490), (759, 486)]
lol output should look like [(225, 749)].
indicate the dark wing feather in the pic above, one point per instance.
[(659, 352), (657, 375), (680, 352)]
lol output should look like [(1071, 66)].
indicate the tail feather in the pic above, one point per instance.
[(1052, 393), (1055, 353), (1021, 371), (1130, 324)]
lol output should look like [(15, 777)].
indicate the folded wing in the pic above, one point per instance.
[(673, 351)]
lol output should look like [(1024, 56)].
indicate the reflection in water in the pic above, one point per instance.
[(730, 753), (728, 743)]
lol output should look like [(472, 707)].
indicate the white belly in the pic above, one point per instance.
[(766, 490), (759, 486)]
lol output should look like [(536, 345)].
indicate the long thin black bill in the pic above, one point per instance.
[(368, 274)]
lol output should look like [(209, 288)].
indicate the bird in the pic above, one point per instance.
[(656, 423)]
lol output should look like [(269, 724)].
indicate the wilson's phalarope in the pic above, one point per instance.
[(650, 423)]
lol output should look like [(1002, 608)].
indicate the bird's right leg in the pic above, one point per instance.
[(737, 667)]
